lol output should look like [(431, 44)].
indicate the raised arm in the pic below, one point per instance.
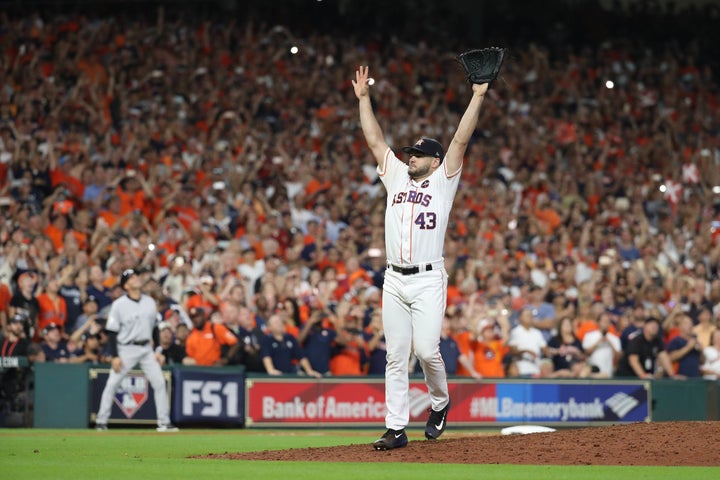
[(370, 126), (466, 127)]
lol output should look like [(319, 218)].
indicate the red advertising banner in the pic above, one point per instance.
[(336, 402), (358, 402)]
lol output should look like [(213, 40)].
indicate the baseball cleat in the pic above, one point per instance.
[(100, 427), (436, 423), (167, 428), (391, 439)]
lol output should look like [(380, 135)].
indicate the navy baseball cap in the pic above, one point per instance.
[(426, 147), (50, 326), (125, 276), (19, 317)]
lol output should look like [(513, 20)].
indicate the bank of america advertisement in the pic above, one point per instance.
[(352, 402)]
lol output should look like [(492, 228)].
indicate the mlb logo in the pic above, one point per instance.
[(131, 394)]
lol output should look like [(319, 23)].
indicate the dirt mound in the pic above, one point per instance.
[(662, 443)]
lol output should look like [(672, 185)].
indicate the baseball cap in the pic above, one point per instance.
[(125, 276), (91, 298), (426, 147), (485, 323), (19, 317), (51, 326), (163, 326), (197, 311)]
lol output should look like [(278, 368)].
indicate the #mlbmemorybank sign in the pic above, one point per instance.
[(336, 402)]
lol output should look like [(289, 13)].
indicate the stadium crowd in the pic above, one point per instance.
[(232, 174)]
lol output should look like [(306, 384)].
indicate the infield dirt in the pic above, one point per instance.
[(661, 443)]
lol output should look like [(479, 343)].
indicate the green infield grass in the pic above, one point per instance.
[(130, 454)]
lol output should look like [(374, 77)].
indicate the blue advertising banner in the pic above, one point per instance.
[(208, 396), (555, 403), (572, 403), (134, 401)]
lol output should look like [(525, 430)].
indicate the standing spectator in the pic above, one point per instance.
[(69, 290), (56, 349), (685, 350), (543, 312), (489, 350), (96, 289), (53, 308), (88, 349), (317, 339), (644, 353), (634, 327), (711, 368), (24, 301), (204, 344), (14, 343), (89, 313), (281, 352), (204, 296), (564, 349), (168, 352), (602, 346), (349, 355), (130, 327), (377, 348), (527, 344), (250, 337), (705, 327)]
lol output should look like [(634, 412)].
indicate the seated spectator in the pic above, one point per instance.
[(281, 352), (203, 345)]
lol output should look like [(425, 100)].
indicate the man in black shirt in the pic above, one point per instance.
[(171, 352), (644, 353), (14, 344)]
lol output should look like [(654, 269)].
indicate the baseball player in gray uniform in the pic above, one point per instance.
[(420, 196), (130, 324)]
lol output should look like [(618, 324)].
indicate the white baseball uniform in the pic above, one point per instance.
[(134, 321), (415, 288)]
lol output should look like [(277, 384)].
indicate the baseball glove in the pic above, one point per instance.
[(482, 65)]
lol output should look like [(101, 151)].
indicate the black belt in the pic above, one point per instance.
[(409, 270), (137, 343)]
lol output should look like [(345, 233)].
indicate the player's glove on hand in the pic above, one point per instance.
[(482, 65)]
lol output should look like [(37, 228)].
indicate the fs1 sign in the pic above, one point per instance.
[(208, 396)]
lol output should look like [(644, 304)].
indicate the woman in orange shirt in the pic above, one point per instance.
[(53, 308), (488, 350)]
